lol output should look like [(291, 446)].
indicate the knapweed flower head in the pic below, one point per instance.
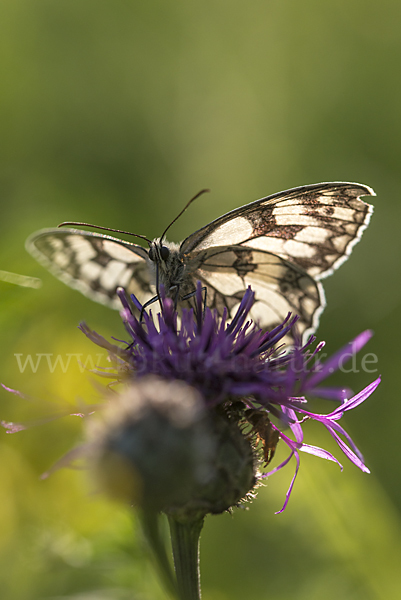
[(242, 371), (157, 446)]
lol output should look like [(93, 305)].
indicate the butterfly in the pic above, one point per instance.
[(281, 246)]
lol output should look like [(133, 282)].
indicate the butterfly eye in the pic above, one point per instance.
[(152, 254), (164, 253)]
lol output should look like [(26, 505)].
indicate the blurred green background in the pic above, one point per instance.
[(117, 113)]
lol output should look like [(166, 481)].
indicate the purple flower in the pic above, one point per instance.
[(238, 364)]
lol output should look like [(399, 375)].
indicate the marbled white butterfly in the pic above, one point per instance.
[(281, 246)]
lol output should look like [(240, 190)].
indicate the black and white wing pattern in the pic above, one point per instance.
[(314, 227), (279, 286), (281, 245), (94, 264)]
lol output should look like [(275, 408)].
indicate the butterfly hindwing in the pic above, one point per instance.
[(94, 264), (279, 286), (314, 227)]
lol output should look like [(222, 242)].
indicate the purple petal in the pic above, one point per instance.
[(279, 336), (12, 427), (333, 426), (357, 399), (288, 494), (337, 360), (294, 425), (349, 454), (320, 453), (331, 393), (242, 312), (100, 340), (280, 466), (124, 300), (16, 392)]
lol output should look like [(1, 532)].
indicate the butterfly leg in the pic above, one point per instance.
[(204, 289), (192, 294), (175, 299), (176, 290), (148, 303)]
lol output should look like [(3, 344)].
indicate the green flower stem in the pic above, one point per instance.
[(185, 536), (151, 527)]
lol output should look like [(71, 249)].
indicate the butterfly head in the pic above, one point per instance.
[(158, 252), (168, 267)]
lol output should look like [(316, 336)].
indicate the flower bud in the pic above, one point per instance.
[(157, 446)]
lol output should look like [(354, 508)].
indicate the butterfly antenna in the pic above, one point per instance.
[(183, 210), (76, 223)]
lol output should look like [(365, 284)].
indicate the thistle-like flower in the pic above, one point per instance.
[(243, 373), (204, 404), (158, 447)]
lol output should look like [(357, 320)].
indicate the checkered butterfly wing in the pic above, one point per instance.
[(94, 264), (282, 246), (279, 286)]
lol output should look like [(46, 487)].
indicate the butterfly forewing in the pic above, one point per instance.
[(314, 227), (94, 264)]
